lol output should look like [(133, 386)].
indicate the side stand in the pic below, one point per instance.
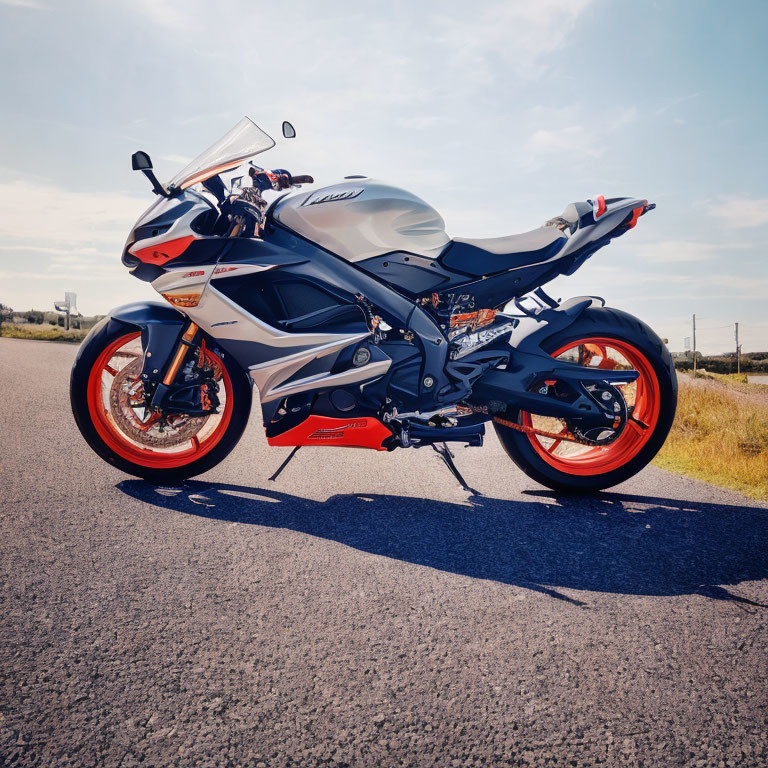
[(445, 454), (285, 463)]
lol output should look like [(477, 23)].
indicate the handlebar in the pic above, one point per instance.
[(302, 180)]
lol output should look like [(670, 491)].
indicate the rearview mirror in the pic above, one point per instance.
[(289, 132), (140, 161)]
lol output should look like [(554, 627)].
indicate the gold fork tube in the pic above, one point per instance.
[(181, 353)]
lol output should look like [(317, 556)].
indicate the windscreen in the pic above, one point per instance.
[(245, 140)]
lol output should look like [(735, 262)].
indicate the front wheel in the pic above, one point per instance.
[(546, 448), (107, 402)]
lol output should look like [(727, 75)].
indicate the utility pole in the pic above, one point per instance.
[(738, 351), (694, 346)]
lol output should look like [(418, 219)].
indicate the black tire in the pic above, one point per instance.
[(611, 323), (107, 332)]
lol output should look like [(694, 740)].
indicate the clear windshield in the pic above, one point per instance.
[(245, 140)]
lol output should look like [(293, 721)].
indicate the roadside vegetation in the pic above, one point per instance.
[(720, 433), (43, 326), (41, 332), (751, 362)]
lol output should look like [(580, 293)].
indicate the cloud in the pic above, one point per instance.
[(676, 102), (685, 251), (580, 134), (31, 4), (101, 275), (43, 214), (623, 117), (726, 286), (742, 213), (346, 42), (163, 13), (571, 140), (52, 235), (421, 122), (178, 159), (518, 32)]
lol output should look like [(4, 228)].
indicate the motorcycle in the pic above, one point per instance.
[(363, 324)]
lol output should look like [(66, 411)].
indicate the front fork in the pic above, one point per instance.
[(183, 347)]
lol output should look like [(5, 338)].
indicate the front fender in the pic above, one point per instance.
[(160, 325), (144, 313)]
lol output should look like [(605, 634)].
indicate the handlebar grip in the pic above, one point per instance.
[(302, 180)]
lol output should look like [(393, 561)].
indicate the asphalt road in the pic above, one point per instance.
[(362, 611)]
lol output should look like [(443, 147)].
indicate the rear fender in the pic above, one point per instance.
[(547, 318)]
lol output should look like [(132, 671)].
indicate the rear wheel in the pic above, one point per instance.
[(107, 401), (547, 449)]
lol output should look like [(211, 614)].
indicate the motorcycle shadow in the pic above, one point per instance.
[(612, 542)]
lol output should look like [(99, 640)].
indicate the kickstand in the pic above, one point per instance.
[(445, 454), (285, 463)]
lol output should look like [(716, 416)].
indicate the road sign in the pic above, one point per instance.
[(71, 299), (68, 306)]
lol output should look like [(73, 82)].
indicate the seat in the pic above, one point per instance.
[(490, 255)]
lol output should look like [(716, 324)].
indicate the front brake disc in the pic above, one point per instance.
[(126, 397)]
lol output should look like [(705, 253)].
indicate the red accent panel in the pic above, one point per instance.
[(636, 214), (159, 254), (600, 206), (323, 430)]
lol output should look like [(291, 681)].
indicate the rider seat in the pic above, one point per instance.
[(487, 256)]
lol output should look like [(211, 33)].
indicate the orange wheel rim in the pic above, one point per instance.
[(119, 442), (595, 353)]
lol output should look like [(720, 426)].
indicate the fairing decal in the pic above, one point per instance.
[(269, 375), (323, 430)]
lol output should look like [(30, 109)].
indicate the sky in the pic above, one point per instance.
[(496, 113)]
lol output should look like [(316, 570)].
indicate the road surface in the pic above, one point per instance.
[(363, 611)]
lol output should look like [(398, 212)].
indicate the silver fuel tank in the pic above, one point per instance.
[(362, 217)]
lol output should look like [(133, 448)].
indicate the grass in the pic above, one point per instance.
[(720, 434), (41, 332)]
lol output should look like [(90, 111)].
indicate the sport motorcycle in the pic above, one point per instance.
[(363, 324)]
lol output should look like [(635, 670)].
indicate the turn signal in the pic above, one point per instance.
[(182, 299)]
